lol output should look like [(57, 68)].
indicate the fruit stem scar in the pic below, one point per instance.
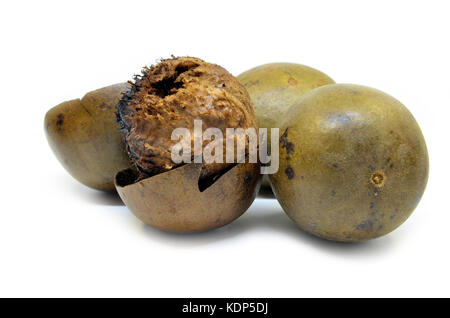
[(378, 178)]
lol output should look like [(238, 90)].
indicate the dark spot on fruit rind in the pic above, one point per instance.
[(251, 83), (247, 179), (365, 225), (372, 205), (289, 172), (60, 120), (378, 179), (335, 165), (286, 144), (333, 192), (292, 81)]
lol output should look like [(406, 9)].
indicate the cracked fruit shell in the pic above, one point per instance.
[(183, 196), (177, 201)]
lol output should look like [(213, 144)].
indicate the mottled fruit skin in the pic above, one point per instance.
[(275, 87), (84, 136), (353, 163)]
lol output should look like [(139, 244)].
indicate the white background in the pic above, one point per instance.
[(59, 238)]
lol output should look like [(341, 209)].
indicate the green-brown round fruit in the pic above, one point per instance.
[(84, 135), (275, 87), (353, 163)]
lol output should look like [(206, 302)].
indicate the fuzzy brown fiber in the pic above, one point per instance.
[(172, 94)]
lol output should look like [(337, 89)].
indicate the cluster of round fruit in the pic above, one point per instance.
[(353, 163)]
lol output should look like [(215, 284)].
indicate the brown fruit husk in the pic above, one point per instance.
[(184, 197), (177, 201)]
